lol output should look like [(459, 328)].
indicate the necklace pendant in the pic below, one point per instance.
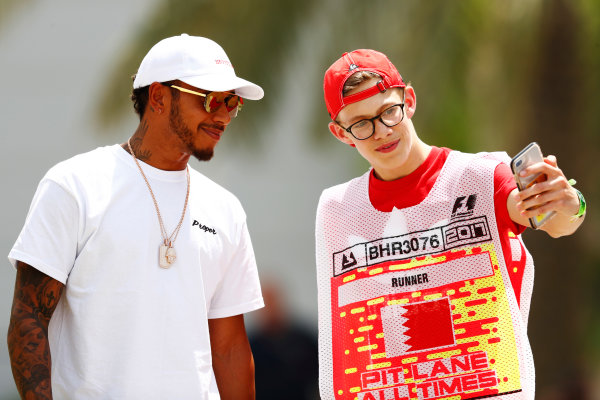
[(166, 256)]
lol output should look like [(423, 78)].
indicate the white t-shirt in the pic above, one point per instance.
[(124, 327)]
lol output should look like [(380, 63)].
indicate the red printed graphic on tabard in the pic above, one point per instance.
[(430, 327)]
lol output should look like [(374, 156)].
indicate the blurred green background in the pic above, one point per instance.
[(488, 74)]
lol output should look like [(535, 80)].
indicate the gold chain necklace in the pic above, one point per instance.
[(166, 251)]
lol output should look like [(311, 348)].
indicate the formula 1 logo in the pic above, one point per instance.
[(463, 206)]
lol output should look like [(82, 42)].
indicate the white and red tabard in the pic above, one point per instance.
[(417, 303)]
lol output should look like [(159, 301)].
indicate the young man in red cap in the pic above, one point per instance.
[(133, 269), (424, 281)]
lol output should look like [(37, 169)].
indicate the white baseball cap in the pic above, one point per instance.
[(197, 61)]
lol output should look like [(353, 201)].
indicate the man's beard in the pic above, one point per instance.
[(186, 135)]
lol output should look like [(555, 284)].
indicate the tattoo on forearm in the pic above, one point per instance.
[(137, 139), (35, 299)]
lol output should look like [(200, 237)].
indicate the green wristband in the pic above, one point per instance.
[(582, 205)]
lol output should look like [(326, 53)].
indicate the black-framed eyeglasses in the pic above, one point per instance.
[(365, 128), (214, 100)]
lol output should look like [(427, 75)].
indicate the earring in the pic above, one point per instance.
[(160, 110)]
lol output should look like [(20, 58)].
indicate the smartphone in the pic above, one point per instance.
[(529, 155)]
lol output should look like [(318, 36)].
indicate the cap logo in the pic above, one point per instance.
[(352, 66), (226, 62)]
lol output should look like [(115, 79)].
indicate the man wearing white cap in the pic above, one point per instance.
[(133, 269)]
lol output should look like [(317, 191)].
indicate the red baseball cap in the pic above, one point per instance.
[(350, 63)]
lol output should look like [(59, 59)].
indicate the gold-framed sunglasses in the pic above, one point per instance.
[(214, 100)]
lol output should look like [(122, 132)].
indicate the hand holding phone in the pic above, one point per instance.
[(530, 155)]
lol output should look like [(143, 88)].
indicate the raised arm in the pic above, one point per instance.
[(35, 299), (554, 194), (232, 359)]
